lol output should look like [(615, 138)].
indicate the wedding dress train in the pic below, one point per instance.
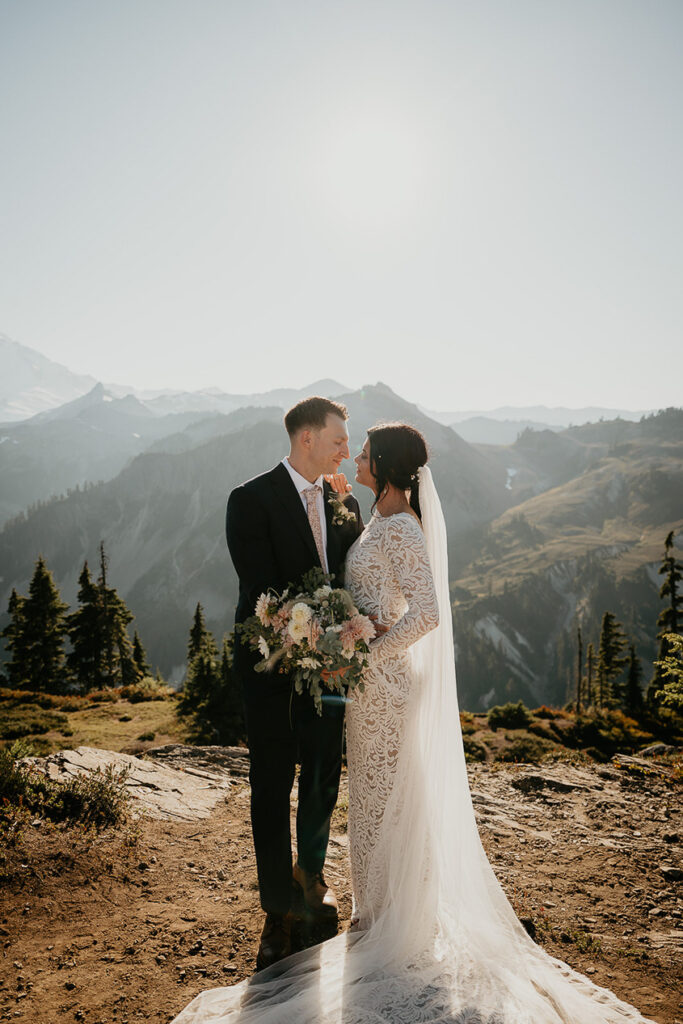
[(437, 940)]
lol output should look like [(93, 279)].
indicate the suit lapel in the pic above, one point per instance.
[(332, 530), (327, 494), (287, 494)]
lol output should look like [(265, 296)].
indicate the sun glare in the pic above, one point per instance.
[(375, 170)]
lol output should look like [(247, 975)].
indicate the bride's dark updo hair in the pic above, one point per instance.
[(397, 451)]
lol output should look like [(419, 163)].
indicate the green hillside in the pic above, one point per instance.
[(566, 555)]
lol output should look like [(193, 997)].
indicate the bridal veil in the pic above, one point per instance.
[(445, 946)]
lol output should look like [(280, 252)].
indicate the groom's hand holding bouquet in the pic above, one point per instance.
[(314, 633)]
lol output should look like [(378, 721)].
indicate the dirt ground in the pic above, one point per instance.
[(115, 928)]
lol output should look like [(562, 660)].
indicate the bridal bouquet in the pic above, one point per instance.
[(314, 633)]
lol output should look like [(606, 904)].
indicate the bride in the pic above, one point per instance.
[(433, 938)]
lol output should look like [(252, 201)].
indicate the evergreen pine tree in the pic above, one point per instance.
[(140, 657), (14, 635), (590, 667), (579, 667), (118, 666), (108, 641), (86, 632), (232, 729), (563, 669), (672, 666), (211, 697), (44, 629), (611, 660), (198, 634), (671, 617), (633, 697), (202, 681), (119, 618)]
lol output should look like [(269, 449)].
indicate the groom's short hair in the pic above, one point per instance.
[(312, 412)]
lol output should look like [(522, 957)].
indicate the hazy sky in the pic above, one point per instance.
[(478, 202)]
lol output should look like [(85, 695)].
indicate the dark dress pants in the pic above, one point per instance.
[(282, 728)]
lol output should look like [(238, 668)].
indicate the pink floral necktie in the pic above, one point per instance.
[(311, 495)]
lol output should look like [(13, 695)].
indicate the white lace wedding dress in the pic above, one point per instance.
[(437, 940), (388, 575)]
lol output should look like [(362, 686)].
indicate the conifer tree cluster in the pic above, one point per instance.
[(669, 620), (599, 678), (613, 676), (100, 653), (210, 698)]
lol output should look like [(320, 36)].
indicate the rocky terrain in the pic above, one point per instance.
[(128, 926)]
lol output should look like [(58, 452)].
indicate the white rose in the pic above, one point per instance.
[(297, 630), (301, 613)]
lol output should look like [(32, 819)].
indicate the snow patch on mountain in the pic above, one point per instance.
[(30, 383)]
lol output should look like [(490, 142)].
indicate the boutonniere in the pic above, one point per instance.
[(340, 513)]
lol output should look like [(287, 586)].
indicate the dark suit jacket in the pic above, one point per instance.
[(271, 544)]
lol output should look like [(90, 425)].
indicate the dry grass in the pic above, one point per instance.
[(114, 725)]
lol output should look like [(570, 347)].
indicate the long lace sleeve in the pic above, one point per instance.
[(404, 546)]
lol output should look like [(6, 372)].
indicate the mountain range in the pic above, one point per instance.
[(544, 533), (31, 384), (161, 516), (540, 416)]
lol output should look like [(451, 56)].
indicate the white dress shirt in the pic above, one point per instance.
[(301, 484)]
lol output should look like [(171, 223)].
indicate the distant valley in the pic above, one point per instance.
[(546, 530)]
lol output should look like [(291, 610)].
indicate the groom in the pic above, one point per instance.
[(279, 525)]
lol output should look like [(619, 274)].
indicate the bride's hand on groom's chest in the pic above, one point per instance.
[(338, 483)]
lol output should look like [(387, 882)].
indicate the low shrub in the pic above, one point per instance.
[(148, 688), (509, 716), (562, 733), (41, 747), (60, 701), (474, 750), (565, 755), (585, 942), (608, 731), (525, 749), (467, 723), (72, 704), (146, 736), (546, 712), (103, 696), (538, 729), (13, 779), (98, 798)]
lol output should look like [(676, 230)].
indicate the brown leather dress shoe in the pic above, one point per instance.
[(319, 899), (276, 940)]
